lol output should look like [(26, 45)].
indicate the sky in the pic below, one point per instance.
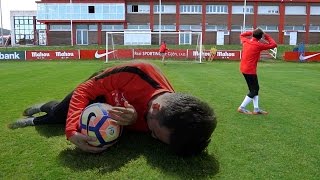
[(15, 5)]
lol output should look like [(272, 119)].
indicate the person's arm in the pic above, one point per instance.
[(124, 116), (81, 97), (270, 43), (244, 36), (81, 141)]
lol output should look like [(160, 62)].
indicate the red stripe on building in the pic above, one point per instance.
[(151, 15), (99, 33), (177, 15), (203, 21), (281, 22), (255, 14), (307, 23)]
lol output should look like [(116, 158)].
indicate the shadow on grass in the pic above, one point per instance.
[(130, 147), (50, 130), (134, 145)]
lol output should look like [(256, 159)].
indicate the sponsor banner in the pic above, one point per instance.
[(101, 54), (228, 54), (52, 55), (155, 54), (307, 56), (130, 54), (12, 55), (217, 54)]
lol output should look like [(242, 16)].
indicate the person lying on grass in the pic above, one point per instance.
[(143, 100)]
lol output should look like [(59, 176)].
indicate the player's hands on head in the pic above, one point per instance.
[(81, 141), (124, 116)]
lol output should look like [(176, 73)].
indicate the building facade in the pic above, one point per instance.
[(83, 22), (25, 28)]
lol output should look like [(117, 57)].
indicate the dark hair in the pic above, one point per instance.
[(191, 121), (257, 33)]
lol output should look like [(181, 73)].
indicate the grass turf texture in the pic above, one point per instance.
[(282, 145)]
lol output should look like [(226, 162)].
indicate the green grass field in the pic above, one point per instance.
[(282, 145)]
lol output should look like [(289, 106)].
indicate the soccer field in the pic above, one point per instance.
[(281, 145)]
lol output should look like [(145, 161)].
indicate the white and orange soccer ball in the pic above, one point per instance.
[(95, 122)]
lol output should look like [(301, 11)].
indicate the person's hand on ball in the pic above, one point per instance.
[(123, 116), (81, 141)]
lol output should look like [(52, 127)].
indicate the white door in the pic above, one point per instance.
[(220, 37), (293, 38), (42, 38), (185, 38), (82, 37)]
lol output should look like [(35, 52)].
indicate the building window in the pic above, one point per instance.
[(165, 27), (145, 27), (268, 10), (134, 8), (239, 28), (314, 10), (93, 27), (60, 27), (236, 28), (138, 9), (269, 28), (248, 28), (112, 27), (190, 28), (217, 9), (165, 9), (215, 27), (240, 9), (157, 9), (185, 38), (81, 11), (190, 9), (294, 28), (295, 10), (40, 26), (82, 27), (314, 28), (91, 9), (23, 30)]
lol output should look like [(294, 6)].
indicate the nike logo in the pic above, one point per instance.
[(97, 55), (303, 58), (89, 119)]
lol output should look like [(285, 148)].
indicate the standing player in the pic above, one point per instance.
[(251, 49), (163, 49)]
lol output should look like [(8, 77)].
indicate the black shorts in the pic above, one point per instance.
[(253, 84)]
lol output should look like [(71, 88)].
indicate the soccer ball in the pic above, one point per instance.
[(95, 122)]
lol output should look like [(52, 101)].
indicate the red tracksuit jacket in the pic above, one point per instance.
[(163, 48), (251, 49), (135, 82)]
